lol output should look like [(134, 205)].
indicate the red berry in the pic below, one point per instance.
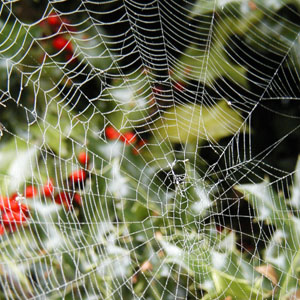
[(30, 191), (24, 209), (219, 228), (13, 218), (83, 158), (54, 20), (111, 133), (42, 23), (13, 196), (60, 43), (70, 58), (48, 188), (179, 86), (136, 150), (142, 143), (64, 198), (78, 175), (2, 230), (6, 204), (128, 137), (13, 227), (68, 25), (77, 198), (10, 205)]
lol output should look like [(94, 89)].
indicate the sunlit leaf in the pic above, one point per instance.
[(194, 123), (267, 204)]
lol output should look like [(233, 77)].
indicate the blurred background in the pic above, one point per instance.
[(149, 149)]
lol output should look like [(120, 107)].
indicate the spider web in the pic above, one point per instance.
[(189, 114)]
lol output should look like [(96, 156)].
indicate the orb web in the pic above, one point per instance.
[(149, 149)]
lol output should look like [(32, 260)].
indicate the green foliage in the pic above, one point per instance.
[(283, 250), (212, 64), (135, 232), (195, 123)]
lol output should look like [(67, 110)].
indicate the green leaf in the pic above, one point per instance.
[(131, 99), (283, 252), (15, 275), (267, 204), (222, 273), (195, 123), (202, 7), (17, 161), (210, 61), (188, 261), (295, 199), (92, 47), (215, 63)]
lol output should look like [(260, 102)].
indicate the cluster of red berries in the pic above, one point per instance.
[(75, 180), (112, 134), (60, 42), (57, 23), (129, 138), (14, 213)]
